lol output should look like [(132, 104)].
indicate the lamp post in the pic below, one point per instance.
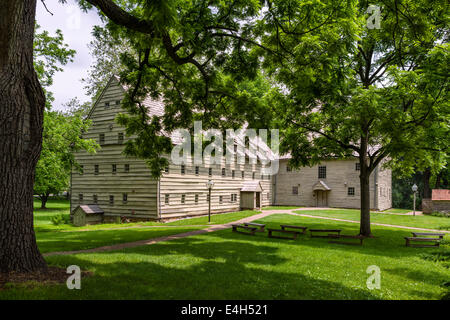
[(209, 185), (414, 189)]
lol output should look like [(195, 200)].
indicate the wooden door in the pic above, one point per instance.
[(322, 198)]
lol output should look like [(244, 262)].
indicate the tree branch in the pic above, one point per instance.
[(123, 18)]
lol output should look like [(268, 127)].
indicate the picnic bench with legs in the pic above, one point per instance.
[(287, 226), (331, 233), (294, 234), (424, 237), (260, 227), (421, 234), (342, 236), (249, 230)]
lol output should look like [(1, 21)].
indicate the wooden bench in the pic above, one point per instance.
[(249, 230), (285, 226), (331, 232), (293, 233), (432, 234), (424, 239), (258, 225), (342, 236)]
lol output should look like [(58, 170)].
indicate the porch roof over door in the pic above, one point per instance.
[(252, 186), (321, 186)]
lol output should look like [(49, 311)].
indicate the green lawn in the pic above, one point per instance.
[(393, 210), (55, 207), (425, 221), (68, 241), (65, 237), (226, 265), (280, 207), (215, 218)]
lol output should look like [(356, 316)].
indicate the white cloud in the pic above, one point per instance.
[(76, 27)]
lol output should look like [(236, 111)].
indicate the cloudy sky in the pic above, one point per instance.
[(76, 27)]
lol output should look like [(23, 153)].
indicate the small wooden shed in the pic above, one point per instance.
[(439, 202), (251, 195), (87, 214)]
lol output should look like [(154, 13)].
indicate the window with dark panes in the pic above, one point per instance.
[(322, 172), (351, 191)]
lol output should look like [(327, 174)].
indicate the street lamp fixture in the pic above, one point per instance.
[(209, 185), (414, 189)]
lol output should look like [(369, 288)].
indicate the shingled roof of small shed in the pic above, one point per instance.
[(440, 194), (91, 209)]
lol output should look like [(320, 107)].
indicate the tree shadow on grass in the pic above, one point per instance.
[(197, 269), (430, 276), (68, 241)]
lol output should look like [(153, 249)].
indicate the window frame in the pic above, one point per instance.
[(167, 198), (120, 137), (322, 172), (351, 191)]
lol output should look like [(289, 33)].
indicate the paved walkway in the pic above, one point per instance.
[(212, 228), (159, 239)]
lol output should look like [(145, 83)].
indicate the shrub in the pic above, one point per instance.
[(60, 219), (440, 214)]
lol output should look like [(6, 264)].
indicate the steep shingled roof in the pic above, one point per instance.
[(440, 194), (91, 209)]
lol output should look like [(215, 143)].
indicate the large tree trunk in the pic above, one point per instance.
[(364, 179), (437, 185), (426, 184), (21, 115)]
